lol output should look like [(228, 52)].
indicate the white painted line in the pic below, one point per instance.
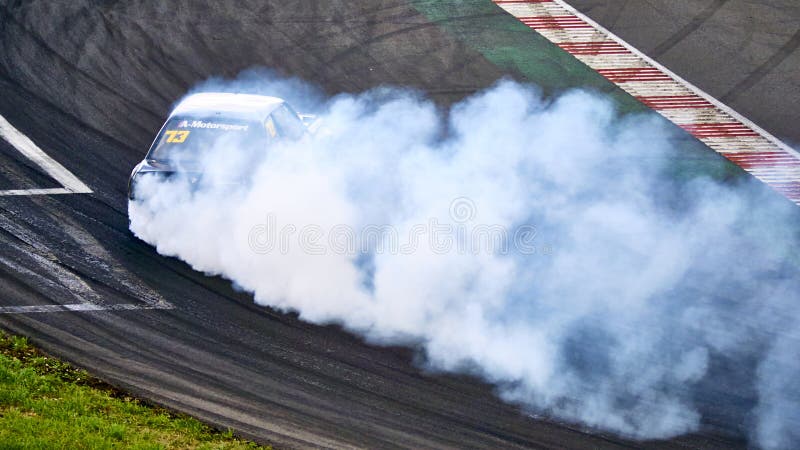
[(572, 35), (618, 62), (695, 115), (653, 89), (35, 191), (533, 9), (77, 307), (74, 288), (71, 184)]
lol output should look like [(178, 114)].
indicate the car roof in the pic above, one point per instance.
[(243, 106)]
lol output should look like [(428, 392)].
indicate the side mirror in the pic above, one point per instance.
[(311, 122)]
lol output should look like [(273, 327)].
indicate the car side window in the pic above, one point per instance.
[(288, 123), (272, 131)]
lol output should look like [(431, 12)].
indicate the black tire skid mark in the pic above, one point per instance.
[(688, 29), (787, 50)]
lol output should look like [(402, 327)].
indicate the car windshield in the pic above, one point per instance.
[(188, 140)]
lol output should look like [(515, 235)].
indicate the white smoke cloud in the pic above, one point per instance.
[(611, 294)]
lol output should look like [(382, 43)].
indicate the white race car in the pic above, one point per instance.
[(203, 119)]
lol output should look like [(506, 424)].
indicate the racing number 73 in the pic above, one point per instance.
[(176, 137)]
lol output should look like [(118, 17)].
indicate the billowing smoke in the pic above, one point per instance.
[(548, 245)]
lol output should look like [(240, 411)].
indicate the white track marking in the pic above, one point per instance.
[(696, 115), (62, 282), (739, 145), (71, 184), (98, 252), (77, 307), (573, 35), (653, 89), (602, 61), (87, 299), (701, 115), (35, 191), (523, 9)]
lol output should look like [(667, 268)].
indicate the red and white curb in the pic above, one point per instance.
[(715, 124)]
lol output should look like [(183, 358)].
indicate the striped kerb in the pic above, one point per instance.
[(704, 117)]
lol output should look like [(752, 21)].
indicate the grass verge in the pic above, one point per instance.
[(47, 403)]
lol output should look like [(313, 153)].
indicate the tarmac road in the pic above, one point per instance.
[(744, 53), (90, 83)]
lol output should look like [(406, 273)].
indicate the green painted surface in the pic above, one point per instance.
[(518, 50), (527, 56)]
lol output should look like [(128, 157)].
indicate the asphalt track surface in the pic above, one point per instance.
[(744, 53), (91, 82)]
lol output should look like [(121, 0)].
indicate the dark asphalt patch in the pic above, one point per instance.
[(19, 172)]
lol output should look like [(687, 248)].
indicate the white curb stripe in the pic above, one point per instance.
[(715, 124), (687, 116), (71, 184), (49, 191), (523, 9), (615, 62), (655, 89)]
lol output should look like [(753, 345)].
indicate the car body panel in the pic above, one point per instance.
[(204, 113)]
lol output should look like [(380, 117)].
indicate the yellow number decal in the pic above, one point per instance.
[(270, 127), (176, 137)]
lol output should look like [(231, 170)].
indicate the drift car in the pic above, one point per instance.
[(201, 120)]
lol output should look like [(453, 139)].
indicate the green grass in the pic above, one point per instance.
[(46, 403)]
